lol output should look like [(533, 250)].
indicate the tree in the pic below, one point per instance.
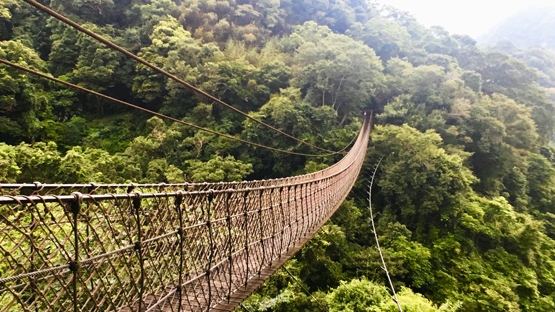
[(337, 15), (159, 171), (217, 169), (24, 101), (357, 295), (9, 170), (288, 112), (386, 37), (540, 181), (143, 16), (541, 59), (83, 166), (166, 37), (337, 71), (364, 295), (437, 40), (498, 128), (64, 51), (38, 162), (98, 67), (432, 195)]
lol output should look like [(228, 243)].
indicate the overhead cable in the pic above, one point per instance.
[(71, 85), (114, 46)]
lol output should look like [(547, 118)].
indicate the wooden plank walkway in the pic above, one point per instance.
[(220, 241), (195, 294)]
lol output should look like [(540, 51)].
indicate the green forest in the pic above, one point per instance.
[(464, 198)]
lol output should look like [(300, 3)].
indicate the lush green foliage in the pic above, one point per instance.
[(464, 197)]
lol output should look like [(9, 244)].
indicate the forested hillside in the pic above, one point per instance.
[(528, 28), (541, 59), (465, 194)]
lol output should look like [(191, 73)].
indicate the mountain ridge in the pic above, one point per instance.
[(528, 28)]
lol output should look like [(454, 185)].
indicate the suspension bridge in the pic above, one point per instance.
[(165, 247), (160, 247)]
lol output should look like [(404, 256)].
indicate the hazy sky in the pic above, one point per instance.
[(471, 17)]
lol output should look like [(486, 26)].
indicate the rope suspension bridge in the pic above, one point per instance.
[(181, 247), (160, 247)]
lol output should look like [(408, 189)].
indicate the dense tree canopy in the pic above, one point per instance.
[(464, 198)]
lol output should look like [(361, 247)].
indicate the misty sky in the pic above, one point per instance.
[(471, 17)]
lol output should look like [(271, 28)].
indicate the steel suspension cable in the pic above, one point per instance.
[(376, 237), (114, 46), (68, 84)]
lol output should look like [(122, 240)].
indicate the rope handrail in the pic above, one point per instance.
[(159, 70), (153, 113), (89, 188), (196, 249)]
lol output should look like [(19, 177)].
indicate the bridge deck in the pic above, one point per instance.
[(169, 299), (113, 251)]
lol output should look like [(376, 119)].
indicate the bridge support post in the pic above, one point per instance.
[(292, 236), (273, 217), (178, 202), (230, 245), (74, 263), (211, 244), (246, 215), (139, 248), (260, 205), (282, 222), (301, 227)]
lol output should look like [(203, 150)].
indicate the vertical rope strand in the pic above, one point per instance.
[(139, 248), (74, 264), (178, 203)]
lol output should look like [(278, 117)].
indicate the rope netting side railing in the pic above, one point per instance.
[(38, 188), (43, 189), (189, 247)]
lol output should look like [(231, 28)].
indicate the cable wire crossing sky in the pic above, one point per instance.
[(470, 17)]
